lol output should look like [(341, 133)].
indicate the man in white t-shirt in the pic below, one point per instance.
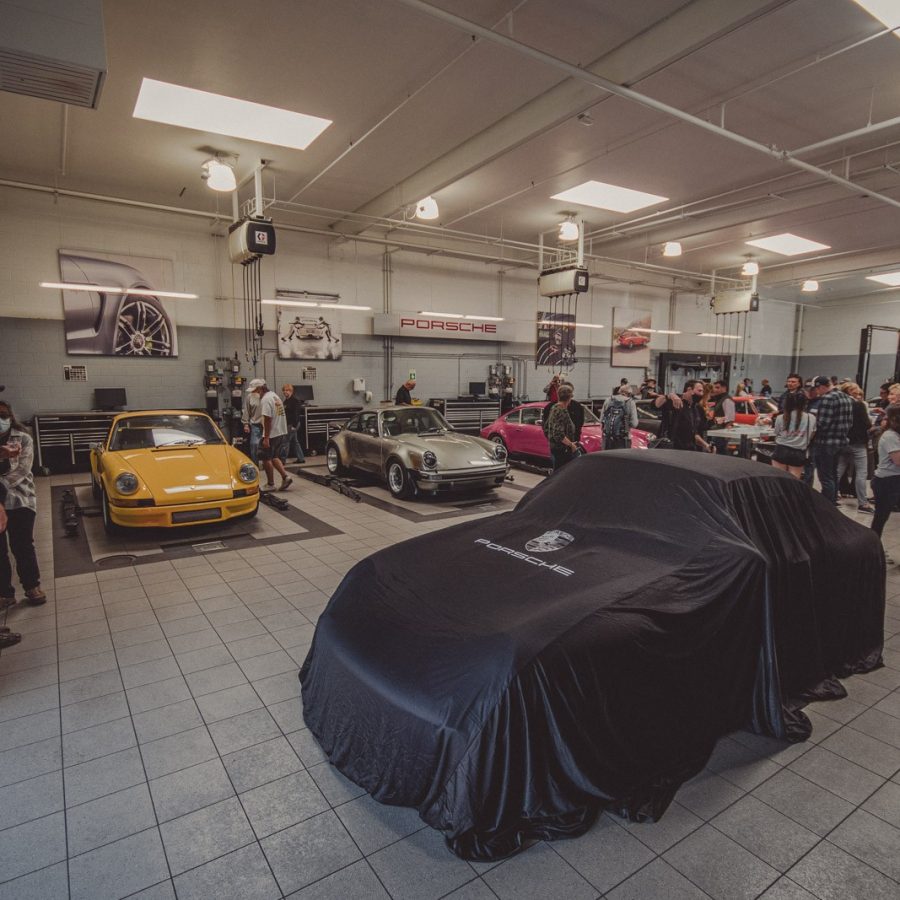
[(274, 430)]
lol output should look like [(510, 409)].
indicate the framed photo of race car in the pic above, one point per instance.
[(306, 334)]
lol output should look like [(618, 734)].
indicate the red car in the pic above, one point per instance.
[(520, 432), (632, 339), (747, 410)]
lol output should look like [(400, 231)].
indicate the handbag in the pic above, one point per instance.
[(660, 443)]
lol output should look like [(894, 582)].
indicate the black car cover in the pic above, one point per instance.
[(512, 676)]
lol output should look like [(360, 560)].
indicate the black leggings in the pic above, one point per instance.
[(887, 494), (19, 538)]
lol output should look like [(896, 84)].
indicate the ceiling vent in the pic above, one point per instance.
[(53, 49)]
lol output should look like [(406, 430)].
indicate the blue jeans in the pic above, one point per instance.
[(255, 438), (856, 454), (291, 446), (825, 459)]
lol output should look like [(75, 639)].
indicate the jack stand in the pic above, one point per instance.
[(70, 511), (336, 484), (270, 499)]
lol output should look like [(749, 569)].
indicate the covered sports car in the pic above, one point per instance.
[(511, 677), (163, 468)]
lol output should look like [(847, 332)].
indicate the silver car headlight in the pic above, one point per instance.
[(499, 452), (429, 459), (127, 483), (247, 473)]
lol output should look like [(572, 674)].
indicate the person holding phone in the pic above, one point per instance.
[(16, 458)]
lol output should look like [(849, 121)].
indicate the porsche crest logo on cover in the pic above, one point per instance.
[(549, 541)]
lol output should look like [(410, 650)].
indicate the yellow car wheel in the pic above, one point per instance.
[(109, 526)]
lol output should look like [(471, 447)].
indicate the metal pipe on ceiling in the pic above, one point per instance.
[(611, 87), (847, 136)]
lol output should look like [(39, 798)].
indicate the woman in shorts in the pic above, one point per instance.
[(794, 430)]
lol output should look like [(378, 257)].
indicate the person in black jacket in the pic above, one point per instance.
[(404, 397), (857, 452), (293, 410)]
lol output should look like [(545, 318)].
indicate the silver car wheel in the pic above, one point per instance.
[(142, 329), (333, 460), (398, 480)]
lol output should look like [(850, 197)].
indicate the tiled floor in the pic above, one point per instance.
[(152, 745)]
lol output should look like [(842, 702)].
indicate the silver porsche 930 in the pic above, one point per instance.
[(414, 450)]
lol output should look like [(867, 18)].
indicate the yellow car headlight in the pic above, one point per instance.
[(248, 473), (127, 483)]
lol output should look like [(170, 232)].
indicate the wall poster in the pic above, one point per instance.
[(308, 335), (555, 345), (631, 338), (117, 322)]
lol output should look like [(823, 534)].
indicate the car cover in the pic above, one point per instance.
[(511, 677)]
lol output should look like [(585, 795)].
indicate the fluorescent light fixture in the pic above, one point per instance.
[(672, 248), (788, 244), (486, 318), (288, 303), (219, 176), (427, 209), (309, 303), (107, 289), (886, 11), (727, 337), (750, 268), (569, 324), (810, 286), (428, 312), (608, 196), (186, 107), (891, 279), (568, 230), (653, 330)]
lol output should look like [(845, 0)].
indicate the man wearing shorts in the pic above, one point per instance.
[(274, 431)]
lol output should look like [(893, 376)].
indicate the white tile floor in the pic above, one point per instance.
[(152, 745)]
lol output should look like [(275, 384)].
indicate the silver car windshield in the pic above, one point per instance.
[(415, 420)]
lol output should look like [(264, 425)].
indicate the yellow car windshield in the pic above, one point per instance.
[(148, 432)]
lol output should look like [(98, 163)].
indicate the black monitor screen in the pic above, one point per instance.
[(109, 398), (477, 388), (303, 392)]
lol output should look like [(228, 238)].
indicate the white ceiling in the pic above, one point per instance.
[(421, 107)]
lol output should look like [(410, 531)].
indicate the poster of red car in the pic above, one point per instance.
[(631, 337)]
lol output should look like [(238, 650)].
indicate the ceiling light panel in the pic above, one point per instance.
[(892, 279), (886, 11), (185, 107), (608, 196), (788, 244)]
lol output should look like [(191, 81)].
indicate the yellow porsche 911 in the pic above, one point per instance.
[(164, 468)]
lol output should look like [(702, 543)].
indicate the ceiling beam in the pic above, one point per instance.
[(669, 40)]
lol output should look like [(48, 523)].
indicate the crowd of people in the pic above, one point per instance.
[(823, 428)]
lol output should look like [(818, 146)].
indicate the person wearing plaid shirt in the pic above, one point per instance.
[(834, 418)]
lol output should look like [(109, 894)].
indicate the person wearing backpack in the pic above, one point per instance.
[(618, 416)]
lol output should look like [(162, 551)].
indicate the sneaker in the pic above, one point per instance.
[(35, 597), (9, 640), (7, 602), (286, 483), (268, 487), (867, 508)]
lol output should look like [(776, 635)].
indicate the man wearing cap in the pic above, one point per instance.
[(834, 418), (252, 422), (274, 429)]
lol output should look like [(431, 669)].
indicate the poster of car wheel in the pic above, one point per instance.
[(120, 315), (312, 336), (631, 337), (555, 345)]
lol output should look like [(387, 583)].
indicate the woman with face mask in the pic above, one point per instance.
[(16, 457)]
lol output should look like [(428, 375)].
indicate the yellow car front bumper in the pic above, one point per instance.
[(182, 514)]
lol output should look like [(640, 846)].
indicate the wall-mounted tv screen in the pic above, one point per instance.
[(477, 388), (109, 398), (304, 392)]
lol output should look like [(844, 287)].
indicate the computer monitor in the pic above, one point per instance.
[(109, 398), (477, 388), (303, 392)]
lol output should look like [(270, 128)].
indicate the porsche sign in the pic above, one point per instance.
[(425, 326)]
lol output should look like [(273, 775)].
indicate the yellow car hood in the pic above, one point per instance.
[(183, 474)]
